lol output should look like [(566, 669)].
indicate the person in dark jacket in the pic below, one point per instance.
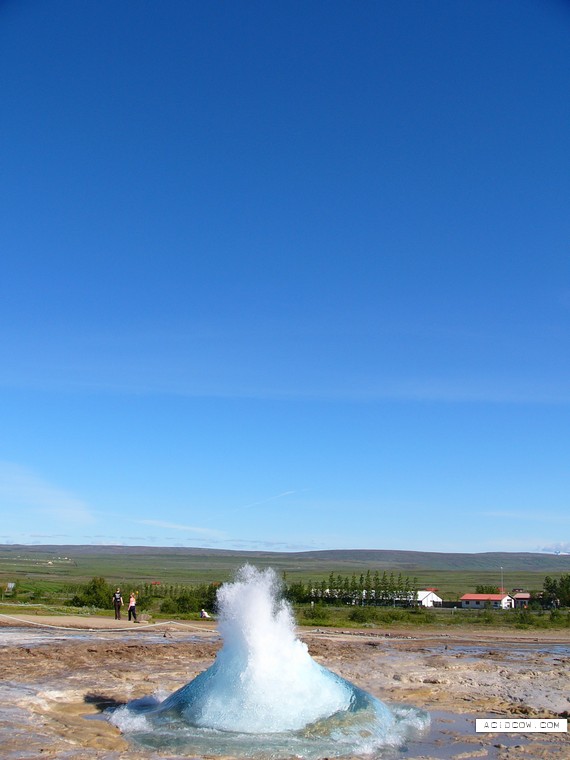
[(117, 603)]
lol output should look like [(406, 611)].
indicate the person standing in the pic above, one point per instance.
[(117, 603), (133, 606)]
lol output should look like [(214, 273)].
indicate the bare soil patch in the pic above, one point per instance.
[(55, 689)]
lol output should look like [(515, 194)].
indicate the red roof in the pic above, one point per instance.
[(481, 597)]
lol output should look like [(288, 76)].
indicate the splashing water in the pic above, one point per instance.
[(265, 696)]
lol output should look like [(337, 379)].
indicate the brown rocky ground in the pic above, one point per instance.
[(55, 688)]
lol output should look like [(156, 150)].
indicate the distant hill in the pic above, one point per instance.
[(410, 560), (339, 560)]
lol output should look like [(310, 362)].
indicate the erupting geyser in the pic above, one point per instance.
[(264, 694)]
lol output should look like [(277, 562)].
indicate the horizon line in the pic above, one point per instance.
[(554, 553)]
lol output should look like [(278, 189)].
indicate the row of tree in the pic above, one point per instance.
[(191, 599), (173, 590), (367, 589)]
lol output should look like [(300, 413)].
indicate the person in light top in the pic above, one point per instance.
[(133, 607)]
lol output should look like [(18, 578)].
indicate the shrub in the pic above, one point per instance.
[(97, 593), (144, 602), (555, 616), (363, 615), (388, 615), (75, 601), (523, 617), (316, 614), (486, 617), (169, 607), (422, 616)]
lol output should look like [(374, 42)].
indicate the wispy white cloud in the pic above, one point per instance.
[(181, 527), (246, 544), (263, 501), (291, 544), (562, 547), (508, 544), (23, 489), (127, 364)]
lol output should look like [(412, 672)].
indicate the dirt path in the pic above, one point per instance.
[(96, 622)]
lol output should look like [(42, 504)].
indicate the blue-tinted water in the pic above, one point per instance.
[(265, 696)]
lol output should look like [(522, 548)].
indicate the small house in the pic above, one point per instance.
[(428, 598), (481, 601), (521, 599)]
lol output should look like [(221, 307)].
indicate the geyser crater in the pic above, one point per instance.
[(264, 695)]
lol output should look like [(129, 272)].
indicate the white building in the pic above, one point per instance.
[(481, 601), (429, 598)]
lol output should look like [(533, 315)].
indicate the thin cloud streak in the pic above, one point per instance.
[(263, 501), (403, 388), (179, 526)]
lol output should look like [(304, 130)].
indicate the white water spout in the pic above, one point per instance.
[(264, 679), (265, 695)]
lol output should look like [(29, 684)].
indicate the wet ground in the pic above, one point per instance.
[(56, 683)]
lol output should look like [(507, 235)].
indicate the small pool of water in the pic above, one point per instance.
[(452, 735), (506, 650)]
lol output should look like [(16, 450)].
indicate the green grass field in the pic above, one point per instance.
[(348, 617), (57, 569)]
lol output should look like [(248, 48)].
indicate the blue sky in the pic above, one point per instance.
[(285, 276)]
